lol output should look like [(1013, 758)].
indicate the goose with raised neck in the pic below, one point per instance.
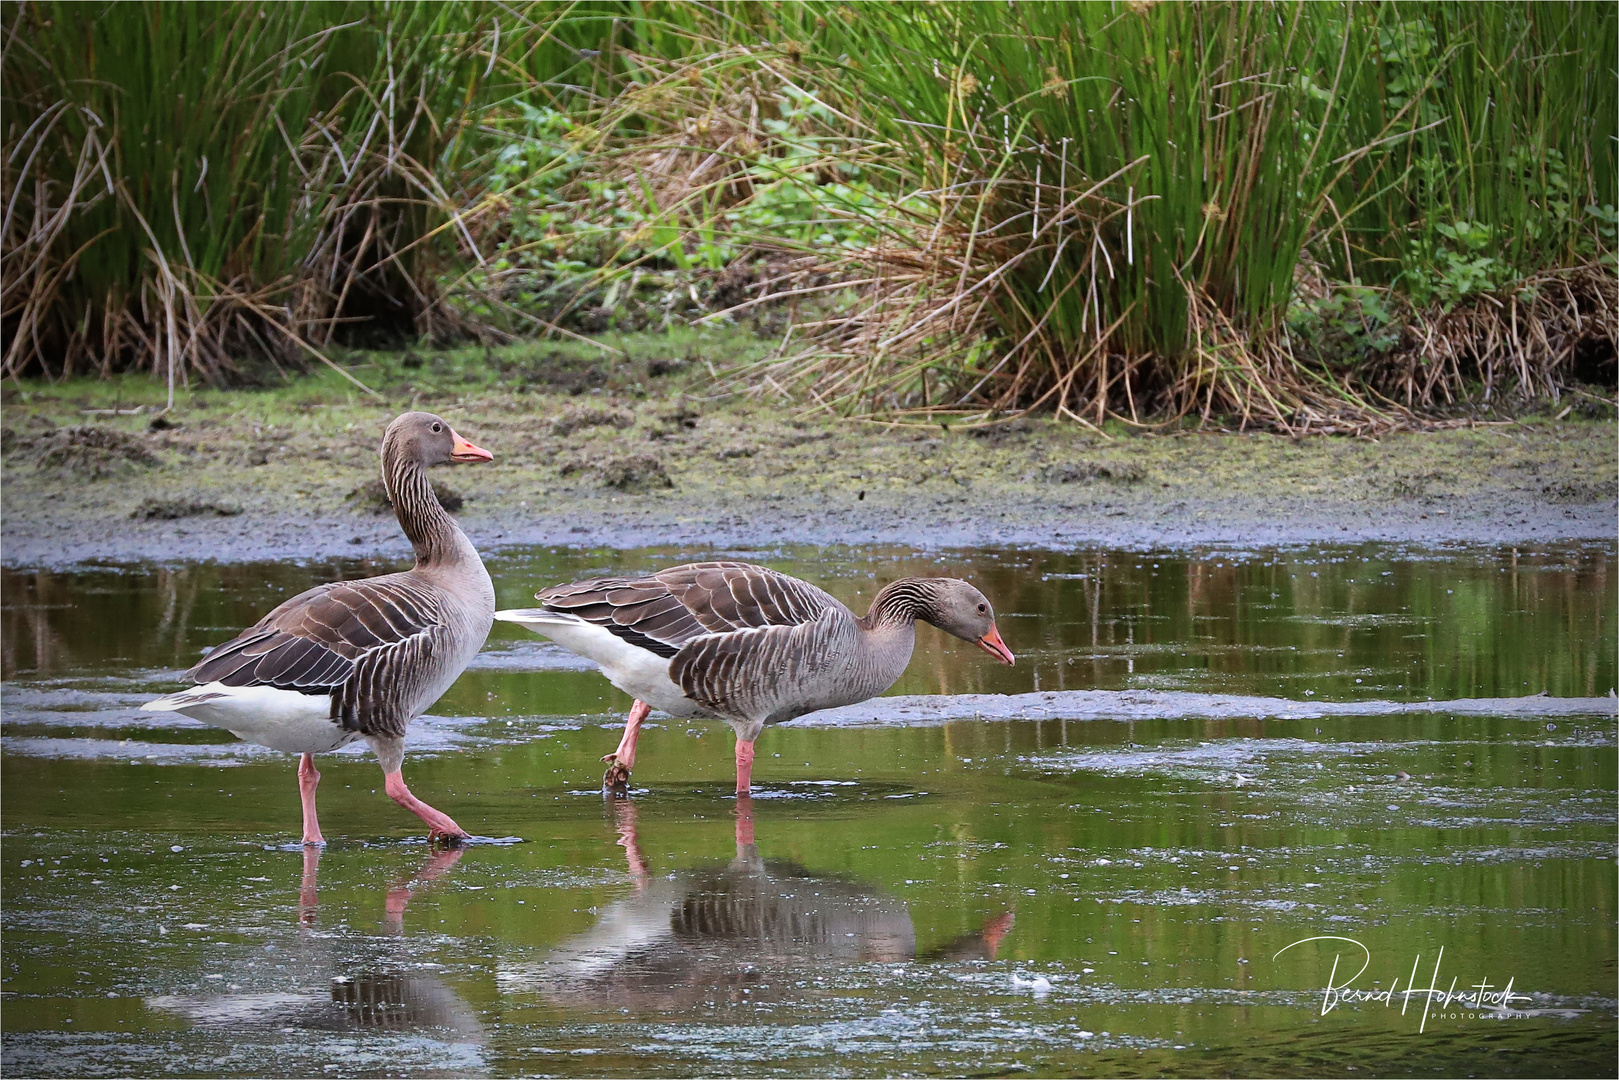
[(360, 659), (746, 644)]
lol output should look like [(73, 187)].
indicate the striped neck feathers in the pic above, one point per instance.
[(432, 532), (902, 603)]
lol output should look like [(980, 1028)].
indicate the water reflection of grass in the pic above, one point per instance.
[(1110, 843), (1485, 623)]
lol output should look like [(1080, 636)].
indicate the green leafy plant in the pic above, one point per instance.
[(1343, 328), (594, 208)]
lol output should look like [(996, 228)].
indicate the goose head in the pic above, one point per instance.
[(428, 440), (957, 608)]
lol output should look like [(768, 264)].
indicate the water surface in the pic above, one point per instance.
[(1217, 755)]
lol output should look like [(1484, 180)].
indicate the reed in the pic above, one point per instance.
[(1136, 212), (1489, 228), (1508, 113), (187, 185), (1103, 210)]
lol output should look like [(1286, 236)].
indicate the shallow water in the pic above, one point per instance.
[(1213, 756)]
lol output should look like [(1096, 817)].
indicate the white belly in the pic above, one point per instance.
[(279, 719), (636, 671)]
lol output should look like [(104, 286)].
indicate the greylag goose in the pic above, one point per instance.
[(360, 658), (746, 645)]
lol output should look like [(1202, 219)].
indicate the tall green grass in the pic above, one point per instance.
[(1104, 209), (188, 183), (149, 164), (1509, 113), (1114, 210), (1111, 197), (1484, 239)]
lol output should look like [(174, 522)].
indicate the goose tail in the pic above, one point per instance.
[(180, 702), (535, 618)]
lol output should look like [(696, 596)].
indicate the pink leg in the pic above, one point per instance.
[(308, 781), (744, 767), (622, 760), (995, 929), (439, 825), (438, 864), (393, 909)]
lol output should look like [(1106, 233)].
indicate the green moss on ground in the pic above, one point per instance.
[(636, 433)]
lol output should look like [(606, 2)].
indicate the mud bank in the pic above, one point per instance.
[(235, 484)]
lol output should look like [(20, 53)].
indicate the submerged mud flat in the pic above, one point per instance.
[(1093, 863)]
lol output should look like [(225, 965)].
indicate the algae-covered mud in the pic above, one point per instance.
[(1236, 811), (639, 447)]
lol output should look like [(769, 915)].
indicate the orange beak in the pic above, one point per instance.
[(465, 451), (992, 644)]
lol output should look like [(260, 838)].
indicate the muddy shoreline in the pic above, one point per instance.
[(60, 540), (682, 473)]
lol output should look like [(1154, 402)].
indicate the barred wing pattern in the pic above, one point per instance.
[(366, 643), (663, 612), (744, 641), (772, 673), (733, 596)]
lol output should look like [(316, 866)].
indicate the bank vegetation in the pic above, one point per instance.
[(1312, 218)]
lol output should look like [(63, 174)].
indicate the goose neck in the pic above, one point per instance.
[(899, 604), (432, 532)]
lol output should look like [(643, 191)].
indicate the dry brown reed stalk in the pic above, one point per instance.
[(940, 326), (181, 321), (707, 136), (1518, 344)]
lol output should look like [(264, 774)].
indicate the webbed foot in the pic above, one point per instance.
[(617, 777)]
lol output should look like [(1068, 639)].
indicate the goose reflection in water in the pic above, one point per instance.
[(326, 998), (725, 931)]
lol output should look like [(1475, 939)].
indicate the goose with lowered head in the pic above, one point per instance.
[(746, 644), (360, 659)]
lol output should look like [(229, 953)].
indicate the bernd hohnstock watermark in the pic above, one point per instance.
[(1439, 999)]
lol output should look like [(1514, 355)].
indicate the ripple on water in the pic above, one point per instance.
[(1136, 873), (1168, 704), (1325, 779)]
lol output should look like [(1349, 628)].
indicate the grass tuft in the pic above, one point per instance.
[(191, 185), (1107, 211)]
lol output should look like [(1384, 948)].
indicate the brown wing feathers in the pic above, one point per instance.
[(755, 674), (731, 596), (382, 677), (663, 612), (347, 639), (711, 670), (640, 611)]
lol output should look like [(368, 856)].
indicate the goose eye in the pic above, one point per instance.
[(983, 609), (437, 428)]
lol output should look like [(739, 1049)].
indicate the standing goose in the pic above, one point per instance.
[(746, 645), (366, 657)]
